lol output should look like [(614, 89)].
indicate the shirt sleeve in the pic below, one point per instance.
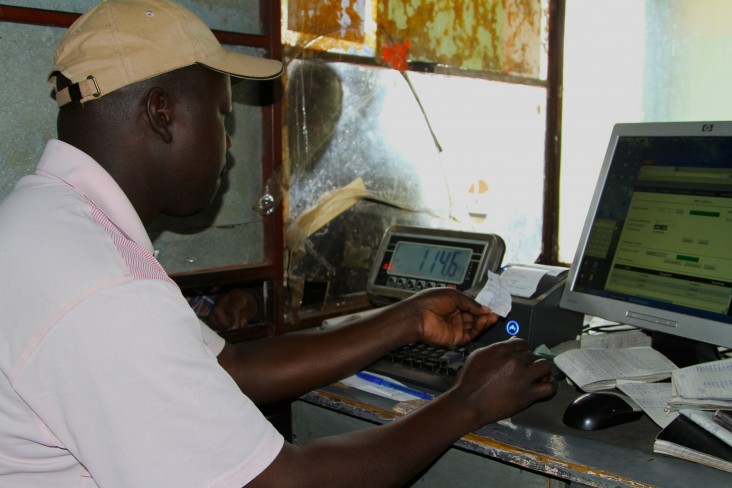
[(139, 398)]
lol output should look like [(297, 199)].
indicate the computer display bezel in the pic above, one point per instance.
[(650, 318)]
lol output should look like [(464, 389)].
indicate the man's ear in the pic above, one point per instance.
[(159, 109)]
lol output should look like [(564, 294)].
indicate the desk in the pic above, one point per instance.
[(533, 448)]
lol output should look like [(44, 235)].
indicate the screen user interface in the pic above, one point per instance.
[(663, 227)]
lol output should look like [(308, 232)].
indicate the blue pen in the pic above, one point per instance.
[(378, 380)]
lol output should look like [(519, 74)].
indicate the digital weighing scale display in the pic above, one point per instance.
[(411, 259), (430, 262)]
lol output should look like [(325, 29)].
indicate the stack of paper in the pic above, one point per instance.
[(700, 434), (594, 369), (683, 439), (705, 386)]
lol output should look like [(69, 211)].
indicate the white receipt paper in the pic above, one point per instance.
[(495, 296), (523, 280)]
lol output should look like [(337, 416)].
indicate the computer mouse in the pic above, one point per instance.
[(600, 410)]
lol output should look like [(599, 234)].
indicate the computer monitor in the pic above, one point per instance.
[(656, 248)]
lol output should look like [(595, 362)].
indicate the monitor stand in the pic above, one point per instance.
[(684, 352)]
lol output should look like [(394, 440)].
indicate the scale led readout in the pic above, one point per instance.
[(411, 259), (429, 262)]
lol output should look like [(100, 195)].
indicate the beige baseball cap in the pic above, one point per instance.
[(120, 42)]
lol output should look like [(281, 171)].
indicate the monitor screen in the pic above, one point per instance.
[(656, 248)]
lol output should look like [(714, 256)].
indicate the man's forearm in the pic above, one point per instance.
[(284, 367), (377, 457)]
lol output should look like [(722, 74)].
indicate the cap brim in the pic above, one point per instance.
[(244, 66)]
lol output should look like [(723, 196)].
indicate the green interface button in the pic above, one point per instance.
[(692, 259), (703, 213)]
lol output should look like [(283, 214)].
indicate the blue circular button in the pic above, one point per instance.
[(512, 327)]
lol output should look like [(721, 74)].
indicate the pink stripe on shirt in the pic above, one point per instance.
[(141, 263)]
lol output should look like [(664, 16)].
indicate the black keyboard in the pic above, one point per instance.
[(423, 365)]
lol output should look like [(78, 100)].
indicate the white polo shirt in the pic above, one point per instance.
[(108, 378)]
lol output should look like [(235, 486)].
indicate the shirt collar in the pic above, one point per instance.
[(79, 170)]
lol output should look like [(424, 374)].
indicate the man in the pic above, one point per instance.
[(109, 379)]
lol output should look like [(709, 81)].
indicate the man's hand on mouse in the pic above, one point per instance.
[(504, 378)]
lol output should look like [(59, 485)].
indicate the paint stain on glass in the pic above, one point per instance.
[(498, 35), (341, 19), (501, 36)]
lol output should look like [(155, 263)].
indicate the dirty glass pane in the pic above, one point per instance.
[(502, 36), (497, 36), (668, 62), (396, 147), (341, 20), (331, 25)]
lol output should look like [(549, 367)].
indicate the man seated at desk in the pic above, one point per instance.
[(109, 378)]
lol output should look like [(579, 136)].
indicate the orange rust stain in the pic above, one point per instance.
[(493, 35), (327, 17), (485, 35)]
